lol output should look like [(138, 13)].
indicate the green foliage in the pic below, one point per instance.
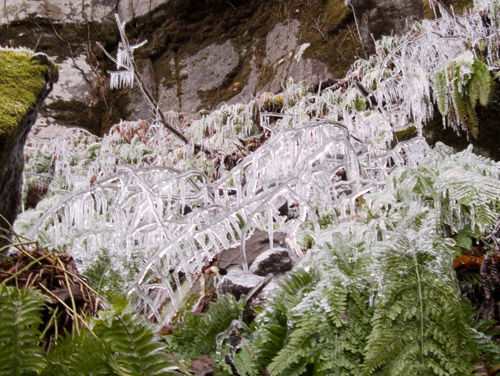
[(20, 316), (117, 343), (381, 297), (78, 354), (419, 326), (197, 334), (459, 87), (129, 344), (103, 278)]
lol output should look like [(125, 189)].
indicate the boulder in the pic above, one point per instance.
[(72, 11), (25, 81), (255, 245), (272, 261), (238, 282)]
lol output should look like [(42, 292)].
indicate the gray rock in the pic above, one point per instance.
[(384, 17), (284, 57), (204, 71), (73, 11), (256, 244), (273, 261), (238, 282)]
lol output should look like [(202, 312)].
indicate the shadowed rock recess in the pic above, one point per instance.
[(25, 81)]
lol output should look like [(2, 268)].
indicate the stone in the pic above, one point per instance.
[(238, 282), (204, 71), (256, 244), (284, 58), (29, 79), (272, 261), (72, 11), (384, 17)]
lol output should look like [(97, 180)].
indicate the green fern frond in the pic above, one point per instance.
[(196, 335), (245, 363), (440, 87), (20, 316), (78, 354), (419, 326), (480, 84), (317, 323), (130, 345), (458, 88), (273, 325)]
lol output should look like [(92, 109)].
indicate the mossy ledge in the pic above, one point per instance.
[(26, 79)]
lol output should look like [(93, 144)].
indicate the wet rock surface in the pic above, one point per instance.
[(272, 261), (238, 282), (255, 245)]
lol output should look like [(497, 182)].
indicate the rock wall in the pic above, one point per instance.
[(376, 18), (200, 54), (75, 11), (26, 82)]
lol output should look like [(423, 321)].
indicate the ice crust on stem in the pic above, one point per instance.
[(326, 153)]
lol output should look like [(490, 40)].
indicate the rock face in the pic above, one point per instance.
[(26, 80), (384, 17), (75, 11), (199, 55)]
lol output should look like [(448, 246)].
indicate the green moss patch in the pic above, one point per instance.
[(21, 79)]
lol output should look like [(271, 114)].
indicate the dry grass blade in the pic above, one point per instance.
[(70, 299)]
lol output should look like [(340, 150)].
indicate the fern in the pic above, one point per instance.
[(419, 326), (381, 296), (197, 334), (130, 345), (441, 92), (20, 316), (79, 354), (458, 88), (120, 343), (318, 322), (245, 363)]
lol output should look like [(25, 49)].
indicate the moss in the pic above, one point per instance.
[(404, 135), (329, 27), (458, 5), (187, 305), (21, 80)]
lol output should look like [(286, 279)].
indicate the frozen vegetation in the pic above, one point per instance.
[(374, 227)]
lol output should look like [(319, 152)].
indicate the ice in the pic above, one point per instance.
[(126, 201)]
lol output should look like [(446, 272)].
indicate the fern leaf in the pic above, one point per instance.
[(199, 334), (131, 346), (78, 354), (245, 363), (480, 84), (439, 85), (20, 316)]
